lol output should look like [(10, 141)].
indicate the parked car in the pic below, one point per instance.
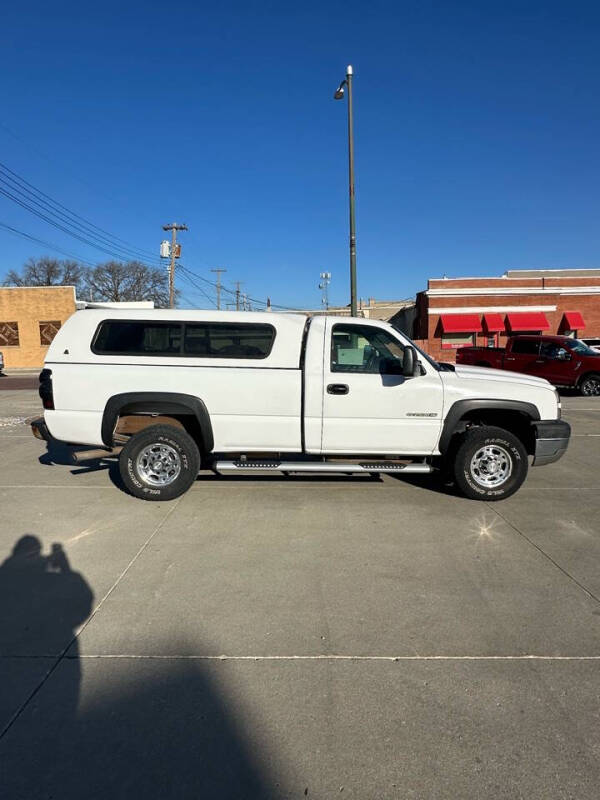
[(561, 360), (169, 392)]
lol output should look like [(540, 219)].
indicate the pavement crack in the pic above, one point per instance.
[(546, 555)]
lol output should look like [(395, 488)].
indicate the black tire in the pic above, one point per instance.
[(476, 477), (589, 385), (179, 465)]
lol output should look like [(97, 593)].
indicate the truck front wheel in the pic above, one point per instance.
[(159, 463), (590, 385), (490, 463)]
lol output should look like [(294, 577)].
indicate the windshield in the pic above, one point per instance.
[(427, 358), (581, 348)]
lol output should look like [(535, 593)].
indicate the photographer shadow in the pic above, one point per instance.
[(152, 728)]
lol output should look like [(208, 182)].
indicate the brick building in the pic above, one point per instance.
[(30, 316), (459, 312)]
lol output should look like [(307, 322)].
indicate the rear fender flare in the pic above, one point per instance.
[(156, 403)]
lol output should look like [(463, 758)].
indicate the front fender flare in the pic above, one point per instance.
[(461, 408)]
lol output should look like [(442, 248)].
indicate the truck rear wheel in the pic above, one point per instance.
[(490, 463), (159, 463)]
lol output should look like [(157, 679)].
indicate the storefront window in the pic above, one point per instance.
[(453, 341)]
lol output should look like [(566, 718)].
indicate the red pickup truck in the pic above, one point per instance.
[(561, 360)]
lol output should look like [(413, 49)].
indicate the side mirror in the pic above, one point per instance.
[(563, 355), (411, 365)]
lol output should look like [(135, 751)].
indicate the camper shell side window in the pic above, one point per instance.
[(183, 339)]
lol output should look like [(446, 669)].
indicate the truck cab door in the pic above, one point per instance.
[(556, 364), (523, 355), (369, 406)]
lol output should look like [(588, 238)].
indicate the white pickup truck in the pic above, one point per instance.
[(173, 392)]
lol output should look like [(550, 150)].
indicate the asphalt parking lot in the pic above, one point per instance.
[(298, 637)]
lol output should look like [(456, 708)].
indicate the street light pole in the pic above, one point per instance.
[(339, 94)]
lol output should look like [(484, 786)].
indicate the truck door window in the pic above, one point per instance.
[(528, 347), (366, 349), (581, 348), (549, 350)]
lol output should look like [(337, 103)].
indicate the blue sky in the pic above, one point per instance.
[(477, 136)]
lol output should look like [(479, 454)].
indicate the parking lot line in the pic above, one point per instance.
[(326, 657)]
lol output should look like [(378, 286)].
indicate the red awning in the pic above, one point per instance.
[(493, 323), (528, 321), (572, 321), (460, 323)]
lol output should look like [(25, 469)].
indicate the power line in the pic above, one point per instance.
[(61, 227), (25, 186), (41, 205), (233, 292), (58, 217), (51, 160), (52, 246), (199, 288), (25, 198), (190, 303)]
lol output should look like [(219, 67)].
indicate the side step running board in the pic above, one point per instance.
[(319, 466)]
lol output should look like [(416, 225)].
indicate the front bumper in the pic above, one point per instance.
[(551, 441), (39, 428)]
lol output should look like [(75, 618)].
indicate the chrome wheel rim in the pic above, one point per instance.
[(158, 464), (491, 466), (591, 387)]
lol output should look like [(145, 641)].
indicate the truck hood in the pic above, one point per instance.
[(488, 374)]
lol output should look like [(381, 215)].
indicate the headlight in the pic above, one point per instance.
[(559, 409)]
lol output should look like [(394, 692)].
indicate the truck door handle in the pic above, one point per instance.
[(508, 358), (337, 388)]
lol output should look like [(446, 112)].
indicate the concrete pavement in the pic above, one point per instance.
[(298, 637)]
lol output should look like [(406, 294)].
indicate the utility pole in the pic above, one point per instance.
[(175, 253), (237, 295), (218, 271)]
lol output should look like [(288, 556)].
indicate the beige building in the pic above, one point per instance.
[(371, 309), (30, 316)]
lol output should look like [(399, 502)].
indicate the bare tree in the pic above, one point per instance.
[(46, 271), (116, 282)]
